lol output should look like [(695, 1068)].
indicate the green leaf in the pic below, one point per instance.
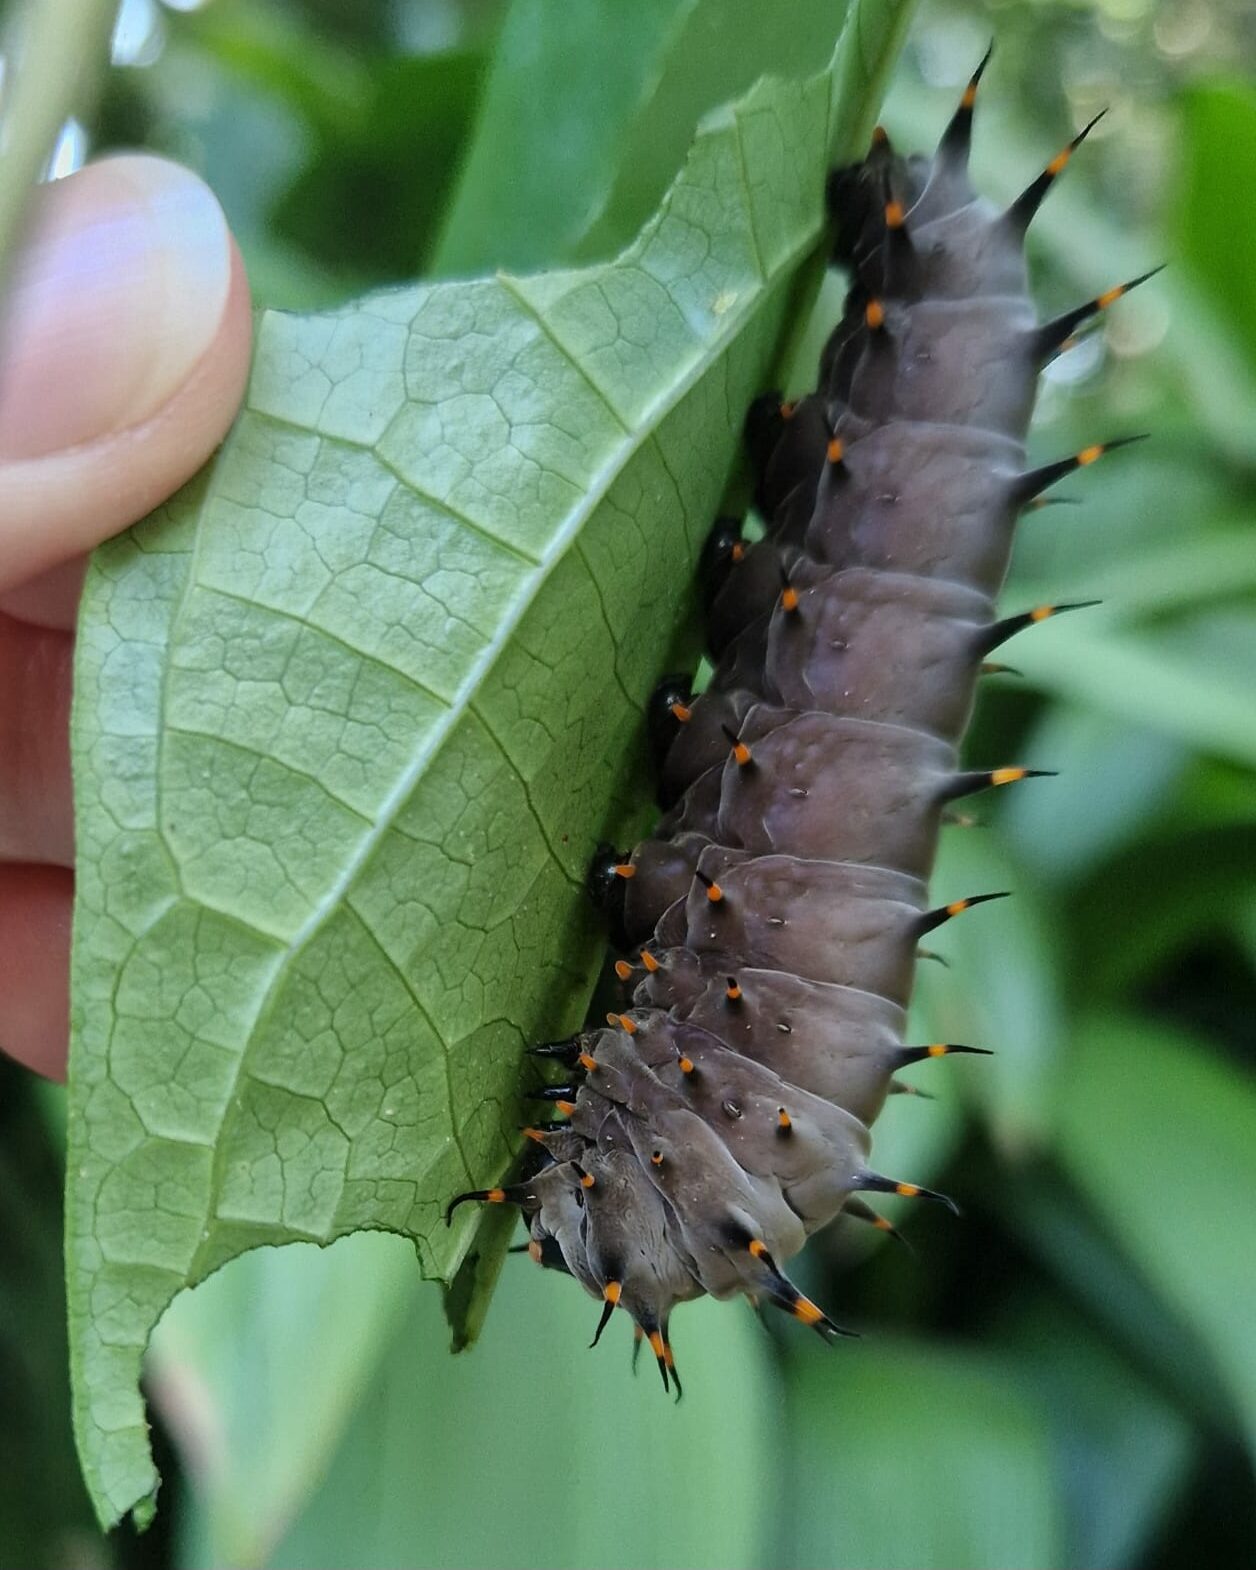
[(1111, 780), (916, 1137), (996, 989), (350, 713), (564, 82), (1161, 1137), (905, 1456), (1086, 1259), (257, 1374), (588, 110), (1149, 907), (1122, 1452), (1219, 159), (399, 156), (1144, 581), (469, 1291), (717, 49), (1143, 680), (471, 1461)]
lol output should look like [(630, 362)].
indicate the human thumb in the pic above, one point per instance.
[(123, 353)]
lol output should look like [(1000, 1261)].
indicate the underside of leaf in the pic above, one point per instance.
[(351, 711)]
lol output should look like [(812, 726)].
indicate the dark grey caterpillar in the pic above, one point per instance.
[(775, 915)]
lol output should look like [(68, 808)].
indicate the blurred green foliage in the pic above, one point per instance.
[(1063, 1379)]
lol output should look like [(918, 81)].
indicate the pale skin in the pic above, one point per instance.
[(124, 349)]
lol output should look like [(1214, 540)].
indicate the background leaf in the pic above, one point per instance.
[(477, 1440), (1107, 1426), (973, 1489), (1220, 158), (541, 156), (1180, 1206), (996, 989), (260, 1417)]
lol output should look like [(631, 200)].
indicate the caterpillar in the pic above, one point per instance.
[(769, 928)]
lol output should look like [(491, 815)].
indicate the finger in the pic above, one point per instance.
[(35, 905), (36, 810), (122, 360), (50, 599)]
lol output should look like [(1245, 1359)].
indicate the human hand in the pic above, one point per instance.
[(123, 354)]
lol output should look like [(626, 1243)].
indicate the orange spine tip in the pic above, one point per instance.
[(566, 1108), (907, 1190), (738, 552), (586, 1062), (1006, 776), (1057, 164), (715, 893), (538, 1134), (938, 1049), (741, 754), (496, 1196), (623, 969), (807, 1311), (835, 450), (894, 215), (587, 1180), (686, 1065), (783, 1118), (969, 97), (1089, 455), (656, 1157), (733, 992), (1041, 612), (874, 315), (757, 1248), (625, 869), (1109, 297), (656, 1345), (613, 1291), (649, 961), (788, 410), (956, 907), (682, 712), (882, 1225), (789, 600)]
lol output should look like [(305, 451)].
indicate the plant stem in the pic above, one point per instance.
[(54, 53)]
